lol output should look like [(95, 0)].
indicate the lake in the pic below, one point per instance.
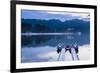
[(35, 46)]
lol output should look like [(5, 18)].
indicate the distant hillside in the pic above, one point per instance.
[(36, 25)]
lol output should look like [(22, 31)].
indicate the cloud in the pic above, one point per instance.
[(61, 13), (48, 15), (51, 55), (83, 14), (78, 15), (84, 54)]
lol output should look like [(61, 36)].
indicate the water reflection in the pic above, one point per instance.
[(53, 40)]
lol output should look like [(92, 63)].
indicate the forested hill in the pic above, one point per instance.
[(37, 25)]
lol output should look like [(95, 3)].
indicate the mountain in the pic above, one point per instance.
[(37, 25)]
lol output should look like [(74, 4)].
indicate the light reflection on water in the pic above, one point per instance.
[(53, 40)]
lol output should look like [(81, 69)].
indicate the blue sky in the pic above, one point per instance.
[(48, 15)]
